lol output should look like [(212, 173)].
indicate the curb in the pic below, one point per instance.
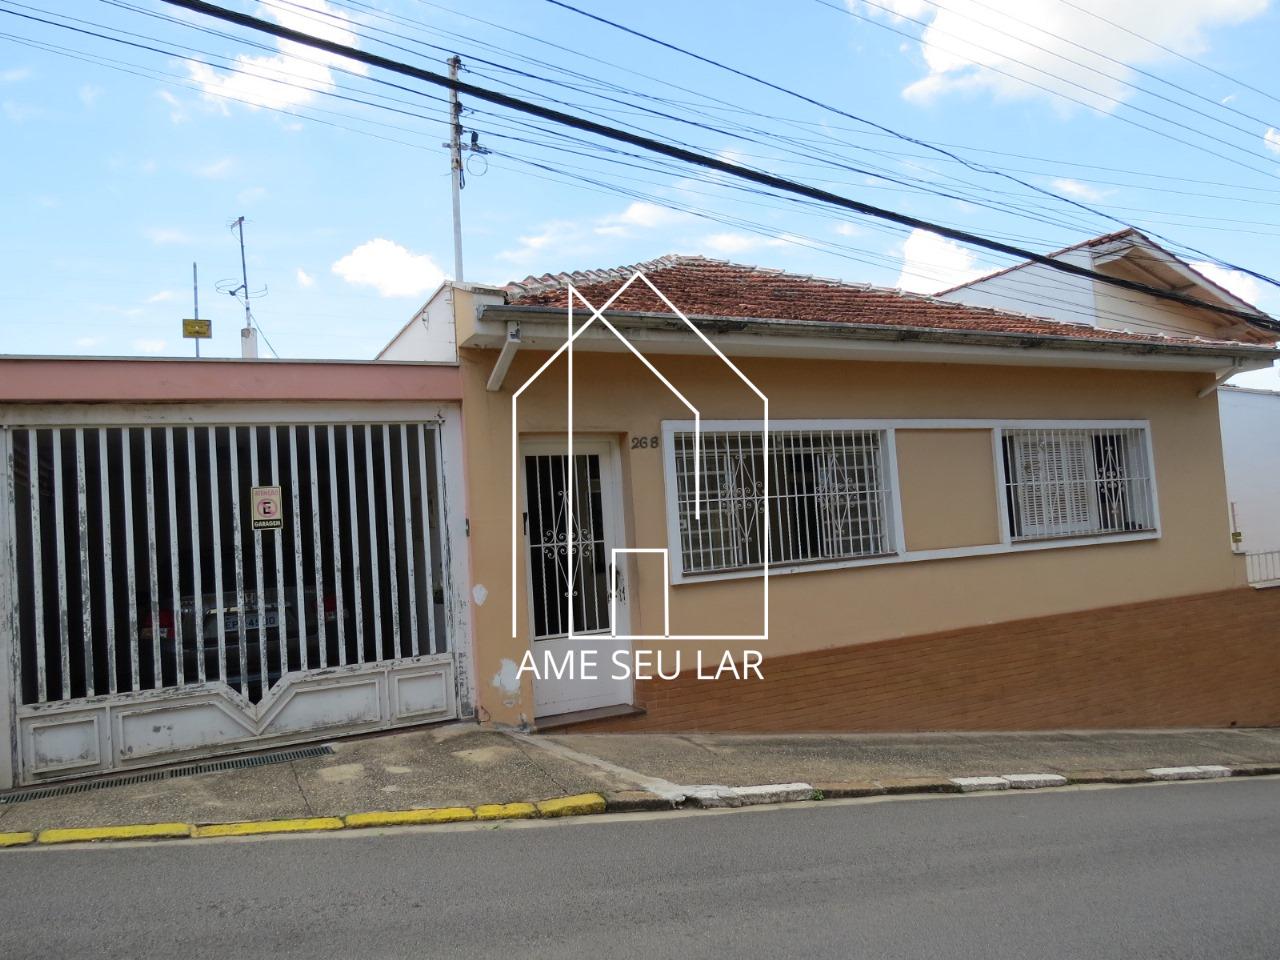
[(707, 796), (574, 806)]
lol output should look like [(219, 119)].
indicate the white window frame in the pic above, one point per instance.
[(900, 554)]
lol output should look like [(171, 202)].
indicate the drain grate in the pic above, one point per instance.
[(150, 776)]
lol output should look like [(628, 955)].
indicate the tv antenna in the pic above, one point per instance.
[(242, 293)]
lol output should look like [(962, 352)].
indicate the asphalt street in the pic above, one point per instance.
[(1170, 871)]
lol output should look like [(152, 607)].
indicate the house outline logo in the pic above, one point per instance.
[(567, 349)]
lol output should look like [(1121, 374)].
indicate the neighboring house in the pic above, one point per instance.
[(978, 519), (1251, 449), (1250, 422), (208, 556)]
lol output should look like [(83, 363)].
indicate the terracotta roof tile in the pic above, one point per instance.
[(716, 288)]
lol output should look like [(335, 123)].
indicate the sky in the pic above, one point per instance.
[(1038, 122)]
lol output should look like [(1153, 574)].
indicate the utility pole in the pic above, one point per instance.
[(248, 336), (195, 302), (455, 164)]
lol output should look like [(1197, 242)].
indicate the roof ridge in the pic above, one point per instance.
[(554, 281)]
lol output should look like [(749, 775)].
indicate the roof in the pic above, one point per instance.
[(1139, 239), (703, 287)]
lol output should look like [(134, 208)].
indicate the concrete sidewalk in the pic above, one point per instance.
[(463, 765), (741, 760)]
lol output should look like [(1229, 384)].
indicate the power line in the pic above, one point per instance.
[(752, 227), (714, 163), (1169, 50), (1054, 76), (647, 163), (810, 100), (836, 160), (1098, 53)]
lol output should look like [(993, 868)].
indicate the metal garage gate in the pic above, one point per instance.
[(185, 589)]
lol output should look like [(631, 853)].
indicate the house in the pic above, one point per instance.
[(1251, 451), (792, 504), (1250, 419), (972, 518)]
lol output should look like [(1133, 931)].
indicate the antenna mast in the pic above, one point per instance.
[(195, 298), (248, 336)]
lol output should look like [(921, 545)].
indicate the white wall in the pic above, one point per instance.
[(429, 335), (1038, 291), (1251, 451)]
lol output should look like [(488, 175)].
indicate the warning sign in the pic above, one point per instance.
[(197, 329), (266, 508)]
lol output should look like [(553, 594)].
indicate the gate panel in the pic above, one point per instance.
[(155, 618)]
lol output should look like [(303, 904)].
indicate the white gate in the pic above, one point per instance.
[(185, 584)]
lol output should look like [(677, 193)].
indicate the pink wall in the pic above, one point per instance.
[(64, 379)]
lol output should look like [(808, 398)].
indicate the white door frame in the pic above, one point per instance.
[(554, 696)]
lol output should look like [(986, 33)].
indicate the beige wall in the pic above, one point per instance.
[(616, 397), (948, 485)]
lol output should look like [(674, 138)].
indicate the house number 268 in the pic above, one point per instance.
[(645, 443)]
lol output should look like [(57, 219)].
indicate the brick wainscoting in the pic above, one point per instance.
[(1210, 660)]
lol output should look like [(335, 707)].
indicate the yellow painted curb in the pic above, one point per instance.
[(572, 806), (250, 827), (137, 831), (397, 818), (506, 811), (15, 839)]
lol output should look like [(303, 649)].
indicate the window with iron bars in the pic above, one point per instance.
[(828, 498), (1077, 482)]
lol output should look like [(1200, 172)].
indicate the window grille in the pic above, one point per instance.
[(828, 498), (1077, 482)]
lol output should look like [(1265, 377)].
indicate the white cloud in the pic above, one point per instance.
[(164, 296), (966, 42), (216, 170), (1271, 140), (149, 346), (847, 230), (390, 269), (735, 243), (648, 215), (1241, 284), (931, 263), (14, 75), (1081, 191), (293, 76), (16, 112), (167, 236), (177, 109), (304, 279), (561, 240), (89, 94)]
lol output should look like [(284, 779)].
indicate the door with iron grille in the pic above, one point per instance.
[(572, 526), (184, 588)]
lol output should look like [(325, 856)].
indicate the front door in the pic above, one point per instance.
[(570, 575)]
